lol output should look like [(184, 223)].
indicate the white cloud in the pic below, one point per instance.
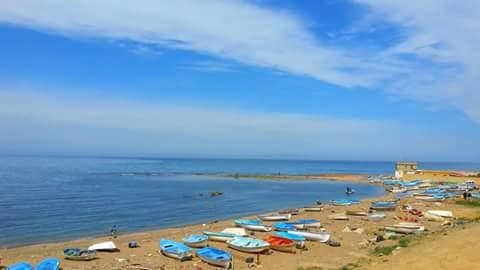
[(87, 125)]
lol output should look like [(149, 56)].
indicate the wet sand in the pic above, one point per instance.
[(355, 247)]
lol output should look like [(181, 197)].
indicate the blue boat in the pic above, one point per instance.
[(77, 254), (175, 250), (243, 222), (20, 266), (196, 240), (413, 183), (341, 202), (383, 205), (215, 256), (433, 191), (290, 236), (247, 244), (283, 226), (48, 264), (391, 182)]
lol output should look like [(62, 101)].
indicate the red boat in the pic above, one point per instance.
[(280, 244)]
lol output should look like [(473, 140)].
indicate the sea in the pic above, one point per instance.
[(49, 199)]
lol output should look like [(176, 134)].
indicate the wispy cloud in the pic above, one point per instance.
[(210, 66), (59, 123)]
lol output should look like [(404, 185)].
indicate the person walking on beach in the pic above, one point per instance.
[(113, 231)]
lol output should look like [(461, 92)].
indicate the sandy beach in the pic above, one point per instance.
[(356, 250)]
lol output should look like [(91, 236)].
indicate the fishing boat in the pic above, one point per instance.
[(104, 246), (236, 231), (77, 254), (404, 230), (303, 224), (356, 213), (441, 213), (286, 235), (283, 226), (397, 190), (313, 236), (215, 257), (312, 209), (196, 240), (383, 206), (257, 228), (280, 243), (345, 202), (219, 236), (293, 212), (242, 222), (408, 225), (48, 264), (247, 244), (391, 182), (275, 217), (338, 217), (475, 195), (432, 217), (375, 217), (175, 250), (20, 266)]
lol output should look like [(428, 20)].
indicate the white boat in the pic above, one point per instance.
[(313, 236), (275, 217), (403, 230), (398, 190), (441, 213), (432, 217), (375, 217), (226, 234), (313, 209), (236, 231), (257, 228), (338, 217), (104, 246), (356, 213), (408, 225)]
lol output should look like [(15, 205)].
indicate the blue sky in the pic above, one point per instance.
[(330, 79)]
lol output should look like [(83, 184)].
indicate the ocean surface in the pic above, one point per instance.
[(45, 199)]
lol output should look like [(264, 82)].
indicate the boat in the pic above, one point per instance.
[(404, 230), (356, 213), (345, 202), (77, 254), (303, 224), (286, 235), (20, 266), (397, 190), (293, 212), (236, 231), (312, 209), (219, 236), (280, 243), (432, 217), (313, 236), (338, 217), (104, 246), (242, 222), (215, 257), (475, 195), (391, 182), (283, 226), (175, 250), (196, 240), (48, 264), (383, 206), (408, 225), (275, 217), (375, 217), (441, 213), (247, 244), (257, 228)]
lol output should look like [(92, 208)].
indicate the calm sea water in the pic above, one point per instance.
[(52, 199)]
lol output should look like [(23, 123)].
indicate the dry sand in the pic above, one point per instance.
[(354, 249)]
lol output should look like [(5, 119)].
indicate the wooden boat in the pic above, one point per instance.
[(303, 224), (441, 213), (338, 217), (242, 222), (226, 234), (383, 205), (283, 226), (293, 212), (104, 246), (76, 254), (175, 250), (257, 228), (356, 213), (313, 236), (196, 240), (236, 231), (20, 266), (313, 209), (48, 264), (403, 230), (375, 217), (408, 225), (215, 257), (280, 243), (247, 244), (275, 217), (293, 237)]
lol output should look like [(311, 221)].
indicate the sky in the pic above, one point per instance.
[(291, 79)]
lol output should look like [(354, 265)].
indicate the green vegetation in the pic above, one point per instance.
[(404, 241), (475, 203), (385, 250)]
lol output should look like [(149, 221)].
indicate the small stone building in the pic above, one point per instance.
[(405, 167)]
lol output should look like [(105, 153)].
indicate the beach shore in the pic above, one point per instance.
[(355, 250)]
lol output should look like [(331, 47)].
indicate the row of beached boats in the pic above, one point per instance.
[(47, 264)]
